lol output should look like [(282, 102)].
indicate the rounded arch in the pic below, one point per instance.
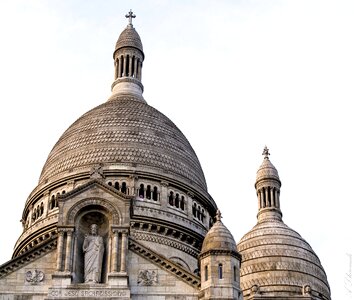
[(180, 262), (98, 202)]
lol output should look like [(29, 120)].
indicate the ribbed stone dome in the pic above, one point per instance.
[(278, 261), (219, 238), (129, 38), (129, 134)]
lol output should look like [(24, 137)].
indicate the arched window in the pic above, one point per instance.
[(116, 185), (177, 200), (206, 273), (141, 191), (194, 210), (220, 271), (235, 273), (182, 202), (110, 183), (42, 208), (155, 193), (170, 198), (34, 214), (202, 216), (124, 188), (148, 192), (198, 213), (52, 202), (63, 192)]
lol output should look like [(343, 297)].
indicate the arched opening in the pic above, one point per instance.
[(141, 191), (127, 66), (52, 202), (155, 193), (171, 198), (85, 259), (124, 188), (148, 192), (235, 273), (116, 185), (206, 273), (194, 210), (182, 202), (110, 183), (220, 271), (177, 200)]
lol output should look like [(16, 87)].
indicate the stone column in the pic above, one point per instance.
[(262, 198), (60, 250), (68, 255), (46, 203), (266, 196), (116, 65), (123, 252), (115, 251)]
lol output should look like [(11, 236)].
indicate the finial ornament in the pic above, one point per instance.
[(218, 215), (130, 16), (266, 152)]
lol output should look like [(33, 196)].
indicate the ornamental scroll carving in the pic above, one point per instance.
[(147, 277), (34, 277)]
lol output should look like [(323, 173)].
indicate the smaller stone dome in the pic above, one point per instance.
[(266, 171), (218, 238), (129, 38)]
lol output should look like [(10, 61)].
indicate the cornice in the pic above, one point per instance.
[(164, 263), (24, 259)]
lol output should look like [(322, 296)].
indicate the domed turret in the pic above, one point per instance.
[(276, 260), (219, 264)]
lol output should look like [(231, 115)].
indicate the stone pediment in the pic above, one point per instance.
[(93, 193), (94, 184)]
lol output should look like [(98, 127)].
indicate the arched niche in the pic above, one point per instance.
[(102, 216)]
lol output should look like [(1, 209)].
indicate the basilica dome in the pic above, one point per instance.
[(276, 260), (124, 133)]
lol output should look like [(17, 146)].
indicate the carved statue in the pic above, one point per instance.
[(93, 250)]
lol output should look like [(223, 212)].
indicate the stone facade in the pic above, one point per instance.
[(128, 169)]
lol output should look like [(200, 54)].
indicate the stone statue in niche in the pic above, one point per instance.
[(93, 249)]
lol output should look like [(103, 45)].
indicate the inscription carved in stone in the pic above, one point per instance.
[(147, 277), (34, 277)]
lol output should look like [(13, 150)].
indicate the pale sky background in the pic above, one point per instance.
[(233, 76)]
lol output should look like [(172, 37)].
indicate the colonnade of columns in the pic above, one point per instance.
[(268, 197), (67, 240), (126, 65)]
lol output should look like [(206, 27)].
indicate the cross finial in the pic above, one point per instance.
[(130, 16), (266, 152), (218, 215)]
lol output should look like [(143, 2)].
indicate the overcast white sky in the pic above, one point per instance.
[(232, 75)]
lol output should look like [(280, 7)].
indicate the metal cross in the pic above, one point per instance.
[(130, 15), (266, 152)]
